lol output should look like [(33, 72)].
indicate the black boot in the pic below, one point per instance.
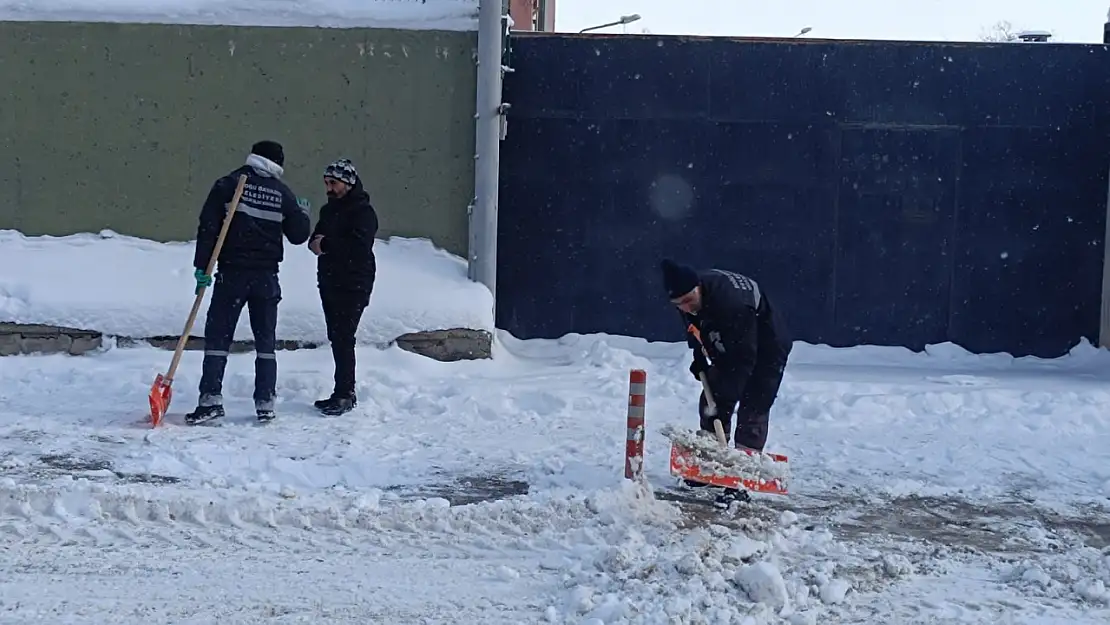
[(337, 404), (731, 495), (204, 414), (264, 410)]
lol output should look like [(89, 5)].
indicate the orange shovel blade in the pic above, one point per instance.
[(685, 464), (160, 396)]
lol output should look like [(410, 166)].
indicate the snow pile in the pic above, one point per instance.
[(653, 572), (133, 287), (402, 14), (1083, 575)]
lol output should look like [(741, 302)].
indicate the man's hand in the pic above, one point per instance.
[(203, 280), (314, 244)]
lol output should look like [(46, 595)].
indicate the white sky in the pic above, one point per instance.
[(1073, 21)]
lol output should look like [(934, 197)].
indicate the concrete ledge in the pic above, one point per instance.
[(449, 345), (196, 343), (444, 345), (17, 338)]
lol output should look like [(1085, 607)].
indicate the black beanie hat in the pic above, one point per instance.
[(271, 150), (678, 279)]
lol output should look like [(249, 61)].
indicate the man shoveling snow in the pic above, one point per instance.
[(740, 344)]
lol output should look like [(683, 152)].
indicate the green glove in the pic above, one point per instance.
[(203, 280), (304, 204)]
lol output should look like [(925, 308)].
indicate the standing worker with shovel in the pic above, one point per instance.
[(248, 273), (740, 348)]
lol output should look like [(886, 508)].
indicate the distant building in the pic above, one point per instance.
[(532, 14)]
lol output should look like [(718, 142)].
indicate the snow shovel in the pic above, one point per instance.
[(161, 391), (697, 459)]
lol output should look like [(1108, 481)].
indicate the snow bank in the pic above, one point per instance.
[(133, 287), (615, 556), (403, 14), (946, 356)]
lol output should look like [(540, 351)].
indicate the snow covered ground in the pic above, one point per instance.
[(936, 487), (403, 14), (132, 287)]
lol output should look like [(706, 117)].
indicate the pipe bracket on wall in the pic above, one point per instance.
[(502, 113)]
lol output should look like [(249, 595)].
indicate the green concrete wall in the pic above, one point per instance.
[(126, 126)]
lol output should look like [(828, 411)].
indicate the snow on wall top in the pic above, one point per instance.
[(403, 14)]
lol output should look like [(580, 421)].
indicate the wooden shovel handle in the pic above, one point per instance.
[(711, 410), (211, 268), (710, 403), (719, 430)]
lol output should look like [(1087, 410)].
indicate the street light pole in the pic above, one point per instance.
[(482, 247), (625, 19)]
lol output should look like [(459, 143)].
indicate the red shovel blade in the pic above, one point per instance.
[(686, 464), (160, 396)]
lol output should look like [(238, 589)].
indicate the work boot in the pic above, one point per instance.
[(204, 414), (730, 496), (264, 410), (337, 404)]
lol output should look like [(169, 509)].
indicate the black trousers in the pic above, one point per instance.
[(752, 403), (342, 314), (260, 292)]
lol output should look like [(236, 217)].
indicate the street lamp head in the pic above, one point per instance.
[(628, 19), (805, 30)]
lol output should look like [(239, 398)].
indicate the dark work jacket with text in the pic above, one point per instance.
[(266, 213), (736, 326)]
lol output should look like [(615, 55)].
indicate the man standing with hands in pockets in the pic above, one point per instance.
[(343, 242)]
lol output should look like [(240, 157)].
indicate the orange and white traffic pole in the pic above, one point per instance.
[(634, 448)]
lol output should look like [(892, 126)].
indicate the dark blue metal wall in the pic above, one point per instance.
[(883, 193)]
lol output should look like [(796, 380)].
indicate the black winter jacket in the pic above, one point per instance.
[(267, 210), (737, 326), (349, 225)]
